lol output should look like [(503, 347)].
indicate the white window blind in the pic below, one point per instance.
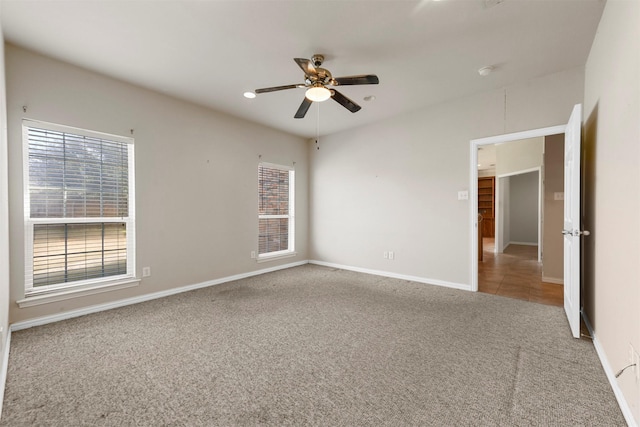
[(79, 224), (275, 210)]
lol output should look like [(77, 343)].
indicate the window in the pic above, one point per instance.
[(79, 222), (275, 210)]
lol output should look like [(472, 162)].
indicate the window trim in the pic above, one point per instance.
[(79, 286), (71, 292), (286, 253)]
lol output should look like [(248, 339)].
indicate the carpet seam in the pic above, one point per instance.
[(514, 382)]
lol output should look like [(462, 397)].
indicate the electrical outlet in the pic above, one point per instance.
[(391, 255), (385, 255), (253, 254), (146, 271)]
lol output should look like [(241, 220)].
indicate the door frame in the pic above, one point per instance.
[(540, 205), (473, 183)]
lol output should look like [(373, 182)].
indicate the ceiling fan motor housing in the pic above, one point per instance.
[(317, 60), (322, 76)]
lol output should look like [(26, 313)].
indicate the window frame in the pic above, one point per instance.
[(290, 251), (30, 223)]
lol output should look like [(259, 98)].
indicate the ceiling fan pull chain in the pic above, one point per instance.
[(317, 125)]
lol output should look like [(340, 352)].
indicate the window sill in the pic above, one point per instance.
[(66, 294), (275, 257)]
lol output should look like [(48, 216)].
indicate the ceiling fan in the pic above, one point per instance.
[(316, 80)]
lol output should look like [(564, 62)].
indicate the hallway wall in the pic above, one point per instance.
[(612, 184), (523, 196)]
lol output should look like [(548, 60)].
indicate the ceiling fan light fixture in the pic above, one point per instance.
[(318, 93)]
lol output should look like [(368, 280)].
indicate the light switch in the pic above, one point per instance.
[(558, 195), (463, 195)]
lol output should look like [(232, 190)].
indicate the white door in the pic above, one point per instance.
[(572, 230)]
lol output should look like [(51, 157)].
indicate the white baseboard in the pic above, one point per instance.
[(622, 402), (553, 280), (395, 275), (142, 298), (523, 243), (4, 367)]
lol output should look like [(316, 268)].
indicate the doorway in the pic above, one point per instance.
[(519, 210), (572, 227), (512, 263), (520, 259)]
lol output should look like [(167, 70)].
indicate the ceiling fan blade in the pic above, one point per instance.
[(365, 79), (304, 107), (344, 101), (307, 66), (275, 88)]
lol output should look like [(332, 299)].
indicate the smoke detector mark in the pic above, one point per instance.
[(488, 4)]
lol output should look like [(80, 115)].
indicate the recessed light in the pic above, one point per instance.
[(485, 71), (249, 95), (369, 98)]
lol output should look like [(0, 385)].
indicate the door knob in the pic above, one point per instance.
[(576, 232)]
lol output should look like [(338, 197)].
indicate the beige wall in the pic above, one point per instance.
[(4, 210), (612, 188), (392, 186), (503, 209), (196, 175), (518, 156), (553, 252), (523, 202)]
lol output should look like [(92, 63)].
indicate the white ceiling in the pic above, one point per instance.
[(210, 52), (487, 158)]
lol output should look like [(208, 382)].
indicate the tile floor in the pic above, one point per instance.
[(516, 273)]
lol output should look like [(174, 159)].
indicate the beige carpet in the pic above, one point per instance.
[(310, 346)]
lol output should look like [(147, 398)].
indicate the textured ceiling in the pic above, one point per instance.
[(210, 52)]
